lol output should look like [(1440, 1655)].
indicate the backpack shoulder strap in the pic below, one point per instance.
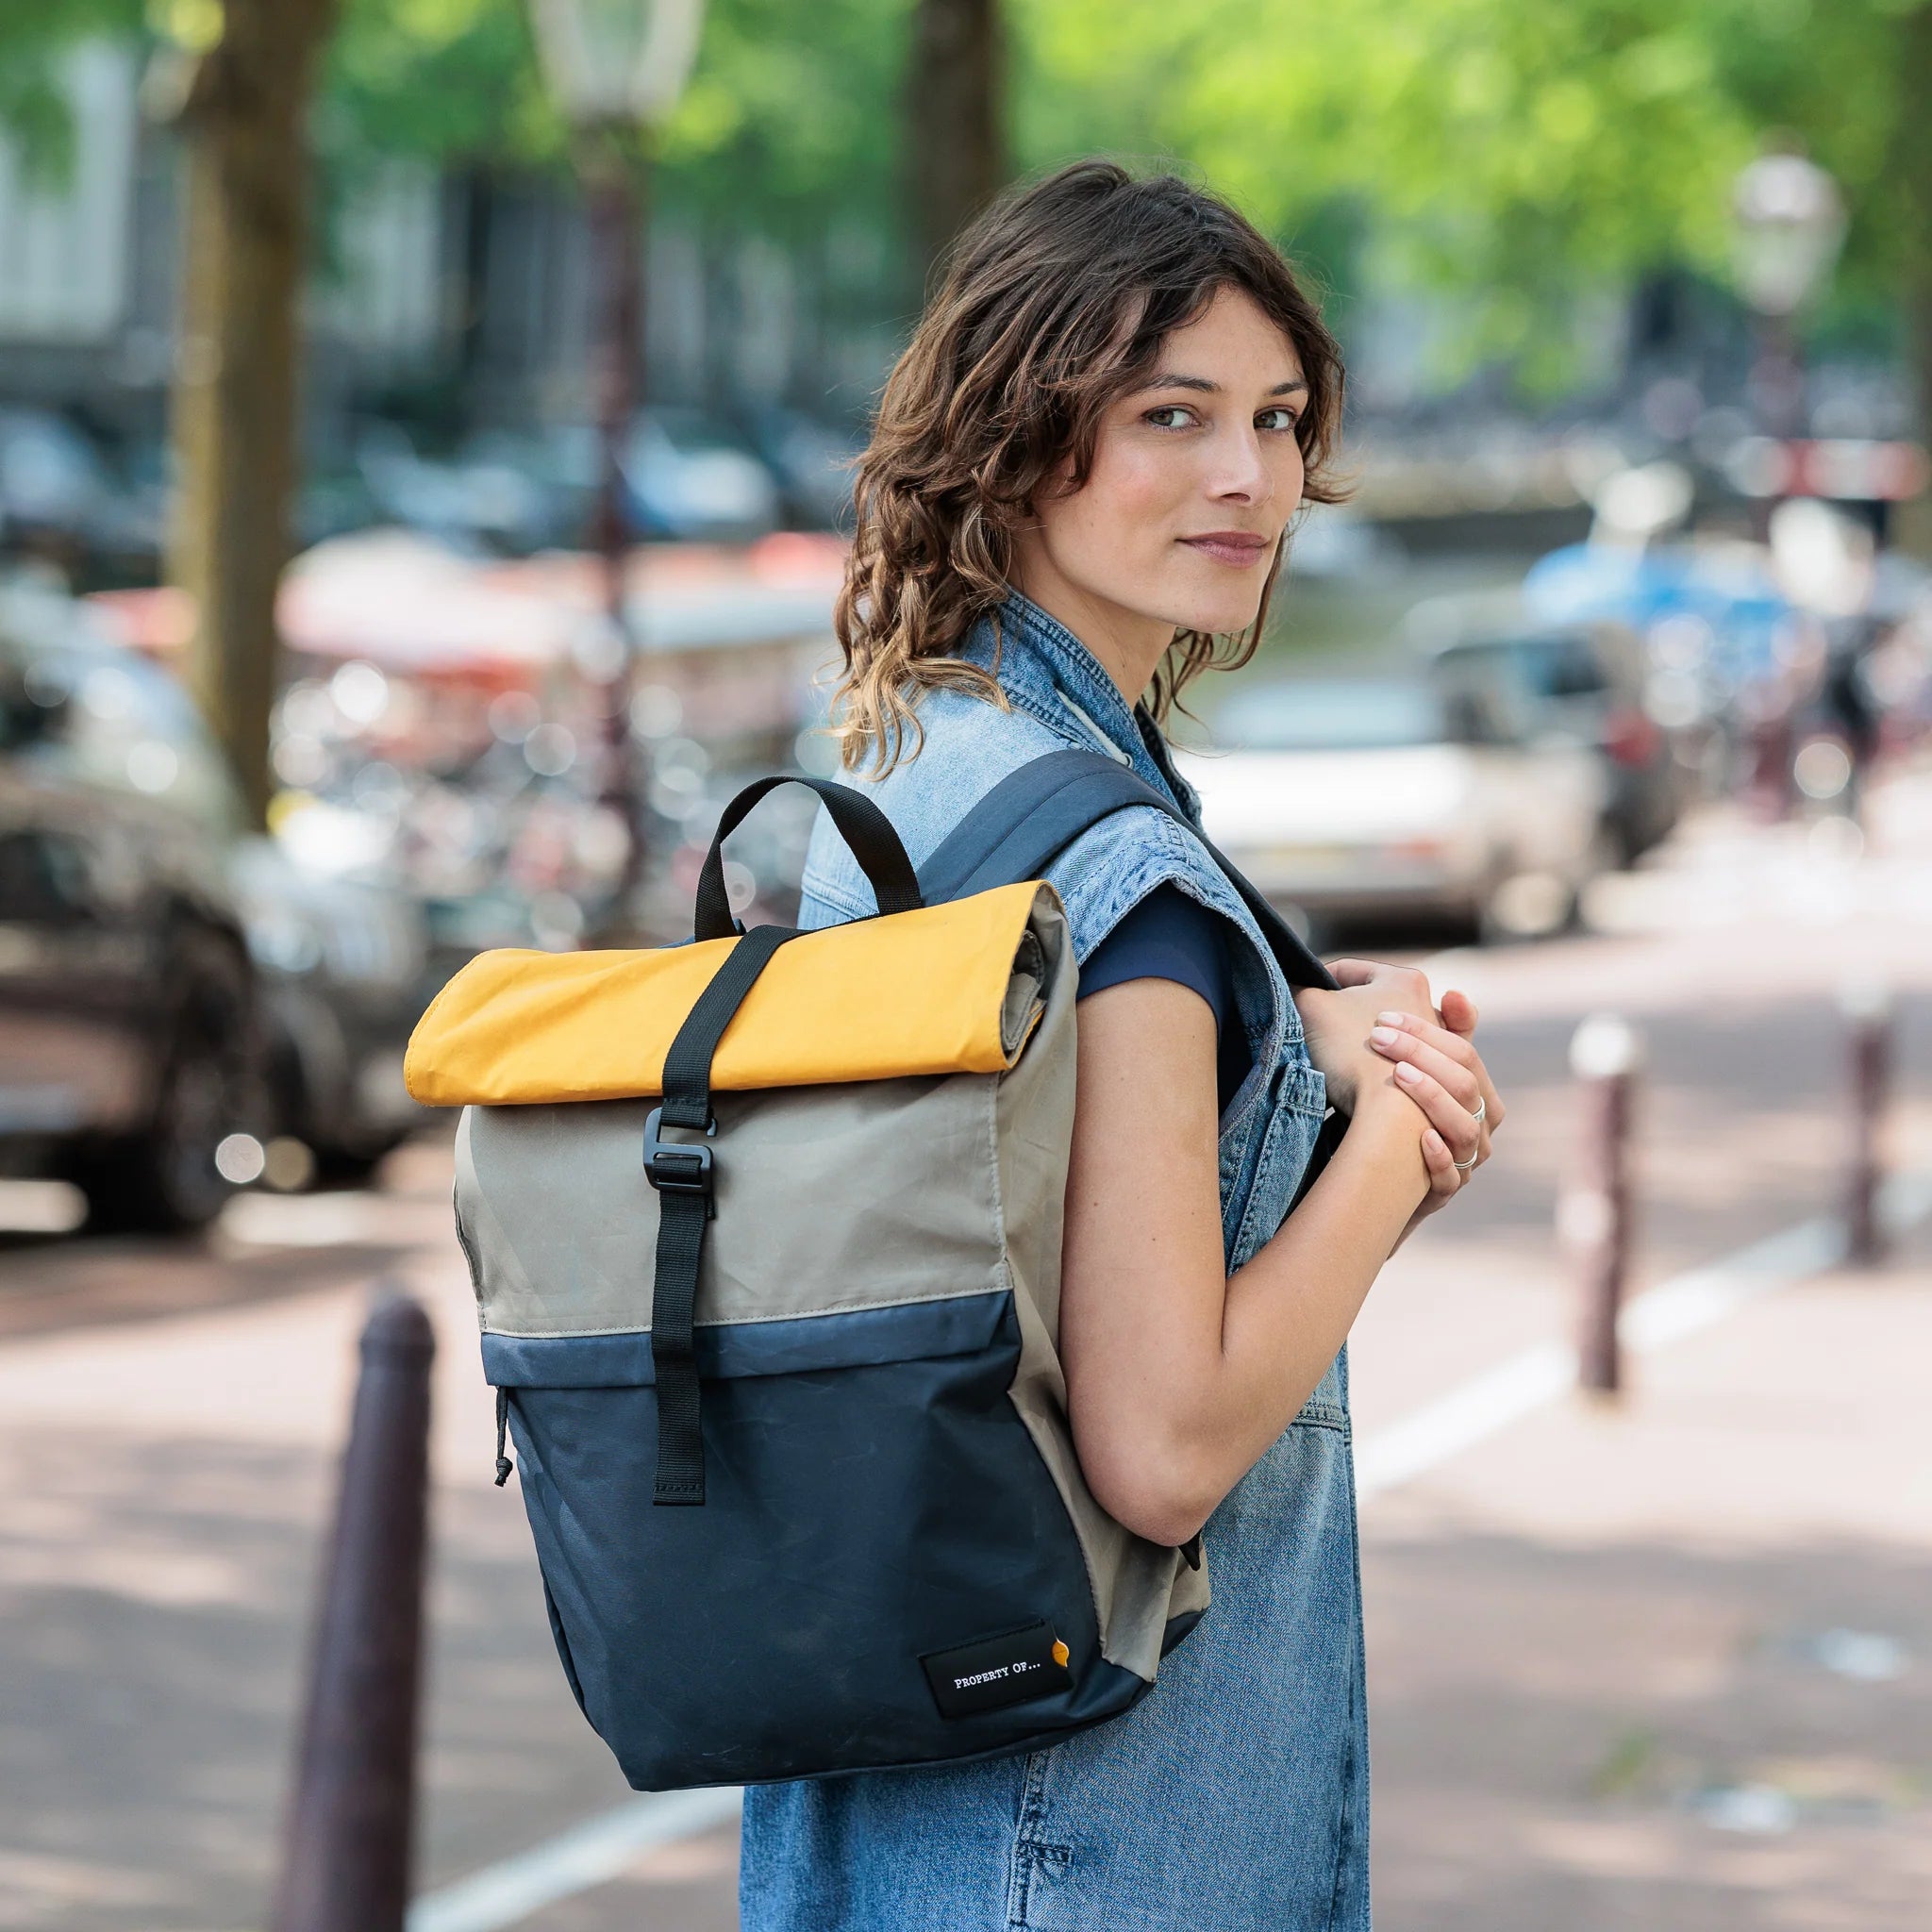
[(1033, 814)]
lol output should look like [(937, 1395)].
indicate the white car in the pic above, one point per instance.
[(1350, 799)]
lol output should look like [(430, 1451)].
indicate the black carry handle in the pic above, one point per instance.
[(863, 827)]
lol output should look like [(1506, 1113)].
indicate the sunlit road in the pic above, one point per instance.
[(1601, 1658)]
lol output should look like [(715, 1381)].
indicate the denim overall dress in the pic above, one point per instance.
[(1234, 1797)]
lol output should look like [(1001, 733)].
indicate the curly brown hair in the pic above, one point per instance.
[(1054, 302)]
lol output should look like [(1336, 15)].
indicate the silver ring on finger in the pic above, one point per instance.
[(1482, 1107)]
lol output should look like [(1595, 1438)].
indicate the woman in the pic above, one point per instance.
[(1081, 477)]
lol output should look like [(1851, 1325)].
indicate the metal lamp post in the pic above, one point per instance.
[(1788, 222), (616, 68)]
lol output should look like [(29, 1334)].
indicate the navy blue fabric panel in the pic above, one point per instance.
[(1170, 935), (850, 1339), (855, 1520), (1167, 936)]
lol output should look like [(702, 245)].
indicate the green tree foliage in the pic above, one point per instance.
[(33, 36), (790, 114), (786, 121), (1518, 154), (442, 80)]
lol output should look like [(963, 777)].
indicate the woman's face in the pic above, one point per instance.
[(1195, 478)]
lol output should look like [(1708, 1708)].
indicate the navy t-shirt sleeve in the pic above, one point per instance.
[(1170, 935)]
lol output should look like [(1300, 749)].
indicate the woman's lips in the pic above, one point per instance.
[(1240, 552)]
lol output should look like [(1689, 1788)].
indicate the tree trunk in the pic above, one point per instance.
[(235, 397), (955, 144)]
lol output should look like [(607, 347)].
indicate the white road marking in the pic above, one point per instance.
[(1683, 1306), (604, 1848), (587, 1855)]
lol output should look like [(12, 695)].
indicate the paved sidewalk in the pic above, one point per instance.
[(1668, 1663), (1663, 1665), (1661, 1670)]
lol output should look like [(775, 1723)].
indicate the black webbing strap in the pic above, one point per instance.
[(1033, 814), (681, 1173), (862, 825)]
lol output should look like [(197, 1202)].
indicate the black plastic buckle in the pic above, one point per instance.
[(678, 1167)]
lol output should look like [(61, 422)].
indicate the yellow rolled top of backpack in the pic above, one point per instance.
[(949, 988)]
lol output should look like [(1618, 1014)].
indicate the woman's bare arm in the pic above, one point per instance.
[(1179, 1376)]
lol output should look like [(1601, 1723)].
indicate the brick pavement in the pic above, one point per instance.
[(1669, 1664)]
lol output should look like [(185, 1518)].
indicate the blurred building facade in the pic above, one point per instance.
[(476, 279)]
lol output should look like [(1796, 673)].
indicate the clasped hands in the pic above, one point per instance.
[(1380, 1031)]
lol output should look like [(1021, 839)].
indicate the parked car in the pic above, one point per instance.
[(485, 499), (1330, 539), (344, 972), (287, 998), (1352, 799), (328, 502), (1588, 678), (60, 501), (128, 1002)]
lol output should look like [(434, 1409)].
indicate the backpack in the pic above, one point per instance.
[(765, 1235)]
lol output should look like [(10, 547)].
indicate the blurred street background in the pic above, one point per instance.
[(424, 444)]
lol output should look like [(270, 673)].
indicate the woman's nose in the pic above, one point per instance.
[(1241, 469)]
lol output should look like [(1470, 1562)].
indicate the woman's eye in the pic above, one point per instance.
[(1287, 418)]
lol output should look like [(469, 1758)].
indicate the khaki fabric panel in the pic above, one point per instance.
[(826, 1201), (931, 992), (1137, 1584), (496, 1273)]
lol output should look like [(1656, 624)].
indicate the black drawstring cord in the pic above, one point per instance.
[(504, 1465)]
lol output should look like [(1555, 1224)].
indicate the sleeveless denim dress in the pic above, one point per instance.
[(1234, 1797)]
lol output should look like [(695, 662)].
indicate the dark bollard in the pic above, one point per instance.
[(1768, 792), (1867, 1008), (346, 1857), (1596, 1212)]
